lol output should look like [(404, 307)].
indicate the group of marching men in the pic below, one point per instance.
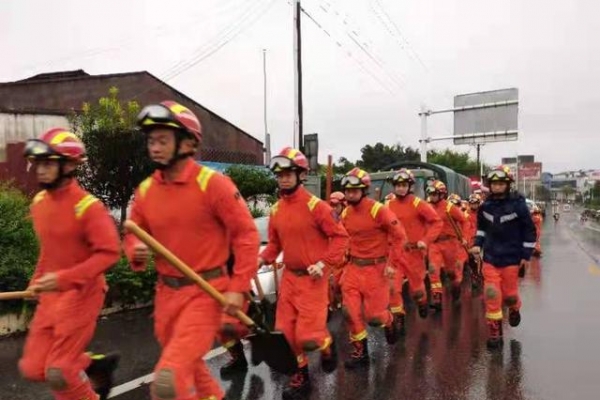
[(367, 249)]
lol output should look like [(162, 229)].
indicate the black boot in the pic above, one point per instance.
[(400, 322), (299, 385), (436, 301), (495, 339), (423, 309), (456, 292), (100, 372), (360, 355), (514, 317), (329, 358), (238, 363)]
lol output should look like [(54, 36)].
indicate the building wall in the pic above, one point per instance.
[(20, 127), (222, 141)]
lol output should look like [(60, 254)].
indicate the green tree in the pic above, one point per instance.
[(254, 184), (567, 191), (542, 193), (343, 165), (376, 157), (18, 243), (117, 160), (458, 161)]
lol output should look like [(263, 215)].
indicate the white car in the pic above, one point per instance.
[(265, 274)]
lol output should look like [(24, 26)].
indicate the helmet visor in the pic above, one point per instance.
[(36, 148), (352, 181), (156, 114), (498, 175), (280, 163)]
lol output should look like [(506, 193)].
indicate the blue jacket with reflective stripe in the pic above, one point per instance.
[(505, 231)]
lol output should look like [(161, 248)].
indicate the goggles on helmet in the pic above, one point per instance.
[(156, 114), (37, 148), (351, 181), (498, 175), (431, 190), (401, 177), (279, 163)]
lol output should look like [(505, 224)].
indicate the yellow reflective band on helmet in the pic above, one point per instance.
[(178, 109), (145, 185), (361, 173), (292, 153), (150, 122), (496, 316), (83, 205), (204, 177), (312, 203), (375, 209), (59, 138)]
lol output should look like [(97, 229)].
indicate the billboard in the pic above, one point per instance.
[(530, 171), (493, 113)]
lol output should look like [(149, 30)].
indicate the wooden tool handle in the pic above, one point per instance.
[(181, 266), (259, 288), (25, 294)]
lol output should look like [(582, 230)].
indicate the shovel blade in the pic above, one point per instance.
[(270, 310), (274, 349)]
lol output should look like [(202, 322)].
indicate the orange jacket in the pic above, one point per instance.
[(307, 230), (418, 218), (78, 237), (201, 218), (472, 215), (374, 231), (447, 210)]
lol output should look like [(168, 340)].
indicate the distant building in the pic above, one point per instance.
[(30, 106)]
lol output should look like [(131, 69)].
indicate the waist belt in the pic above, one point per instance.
[(443, 238), (175, 282), (298, 272), (364, 262)]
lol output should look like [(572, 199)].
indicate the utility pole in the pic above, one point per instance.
[(267, 135), (298, 133)]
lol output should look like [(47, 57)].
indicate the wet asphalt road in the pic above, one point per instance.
[(553, 354)]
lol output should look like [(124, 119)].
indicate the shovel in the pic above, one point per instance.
[(16, 295), (268, 308), (268, 346)]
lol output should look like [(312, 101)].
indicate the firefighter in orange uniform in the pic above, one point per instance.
[(313, 240), (463, 255), (78, 243), (423, 226), (377, 240), (200, 216), (474, 203), (444, 252), (536, 216)]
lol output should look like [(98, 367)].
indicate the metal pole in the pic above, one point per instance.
[(267, 136), (423, 114), (329, 180), (298, 139), (478, 162)]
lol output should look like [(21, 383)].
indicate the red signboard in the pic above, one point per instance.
[(531, 171)]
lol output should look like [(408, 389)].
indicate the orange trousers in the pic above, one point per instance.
[(61, 329), (413, 269), (365, 287), (501, 286), (444, 254), (302, 312), (186, 321)]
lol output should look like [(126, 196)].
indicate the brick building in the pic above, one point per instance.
[(29, 106)]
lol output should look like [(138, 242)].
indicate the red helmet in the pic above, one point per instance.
[(437, 187), (170, 114), (475, 198), (455, 199), (403, 175), (500, 174), (356, 179), (289, 158), (337, 198), (57, 143)]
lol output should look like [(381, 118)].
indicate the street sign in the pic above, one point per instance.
[(486, 117)]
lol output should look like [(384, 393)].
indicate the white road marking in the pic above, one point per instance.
[(147, 379)]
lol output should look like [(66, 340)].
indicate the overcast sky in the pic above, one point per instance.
[(365, 79)]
